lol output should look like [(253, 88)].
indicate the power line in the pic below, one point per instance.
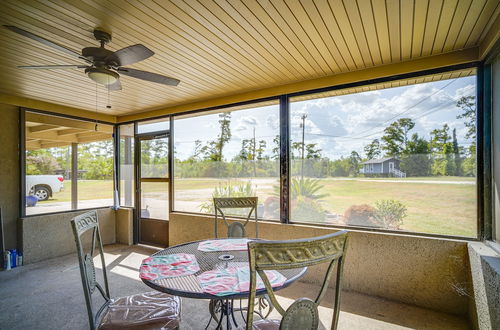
[(410, 108)]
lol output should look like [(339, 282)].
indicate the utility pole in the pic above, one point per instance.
[(303, 125), (254, 155)]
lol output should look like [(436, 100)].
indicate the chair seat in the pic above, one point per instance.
[(266, 325), (145, 311)]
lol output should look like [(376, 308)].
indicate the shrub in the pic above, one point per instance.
[(361, 215), (272, 208), (307, 210), (228, 189), (390, 213), (305, 200)]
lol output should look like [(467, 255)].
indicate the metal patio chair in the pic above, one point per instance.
[(275, 255), (236, 229), (150, 310)]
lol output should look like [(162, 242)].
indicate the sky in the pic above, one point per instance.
[(337, 124)]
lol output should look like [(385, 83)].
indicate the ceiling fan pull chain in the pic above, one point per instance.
[(96, 105), (108, 106)]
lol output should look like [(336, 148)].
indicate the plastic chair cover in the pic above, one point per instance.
[(149, 310), (266, 325)]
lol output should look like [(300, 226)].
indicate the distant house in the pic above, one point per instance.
[(383, 167)]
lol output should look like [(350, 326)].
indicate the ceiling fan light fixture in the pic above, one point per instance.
[(102, 76)]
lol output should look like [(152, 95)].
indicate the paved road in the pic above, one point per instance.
[(405, 181)]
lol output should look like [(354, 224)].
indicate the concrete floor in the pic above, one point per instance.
[(48, 295)]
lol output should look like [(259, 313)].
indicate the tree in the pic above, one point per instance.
[(416, 160), (260, 150), (372, 149), (296, 150), (41, 162), (406, 125), (340, 167), (312, 152), (442, 148), (213, 150), (247, 148), (439, 138), (468, 106), (276, 148), (354, 160), (457, 154), (196, 152), (396, 136)]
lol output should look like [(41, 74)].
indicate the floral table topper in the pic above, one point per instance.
[(173, 265), (223, 282), (231, 244)]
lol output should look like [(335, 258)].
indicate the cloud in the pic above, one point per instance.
[(273, 122), (240, 128), (249, 121), (465, 91), (357, 118)]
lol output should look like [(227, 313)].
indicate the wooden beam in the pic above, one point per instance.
[(490, 39), (46, 145), (41, 128), (33, 145), (66, 122), (432, 62), (70, 131), (95, 138), (52, 136), (93, 133)]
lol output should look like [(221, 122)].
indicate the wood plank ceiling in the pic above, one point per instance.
[(224, 47), (391, 84), (44, 131)]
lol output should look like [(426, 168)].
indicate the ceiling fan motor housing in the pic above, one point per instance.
[(102, 36), (102, 76), (96, 53)]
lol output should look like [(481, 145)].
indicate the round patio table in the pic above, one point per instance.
[(189, 287)]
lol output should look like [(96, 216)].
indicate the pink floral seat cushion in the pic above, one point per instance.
[(173, 265), (231, 244), (232, 280)]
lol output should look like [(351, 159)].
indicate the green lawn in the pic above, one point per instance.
[(439, 208), (87, 190), (448, 209)]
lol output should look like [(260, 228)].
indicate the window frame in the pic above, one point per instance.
[(211, 110), (22, 160), (483, 149), (284, 102)]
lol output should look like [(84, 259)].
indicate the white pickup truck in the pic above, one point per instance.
[(43, 186)]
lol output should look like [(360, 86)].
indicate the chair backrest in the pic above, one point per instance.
[(276, 255), (236, 228), (88, 222)]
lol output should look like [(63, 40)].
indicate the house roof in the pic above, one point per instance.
[(378, 161)]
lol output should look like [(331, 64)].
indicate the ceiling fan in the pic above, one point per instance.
[(102, 65)]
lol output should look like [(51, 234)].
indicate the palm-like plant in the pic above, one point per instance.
[(228, 189), (306, 199), (308, 188)]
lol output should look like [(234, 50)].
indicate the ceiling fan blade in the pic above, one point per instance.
[(130, 55), (149, 76), (76, 66), (44, 41), (117, 86)]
